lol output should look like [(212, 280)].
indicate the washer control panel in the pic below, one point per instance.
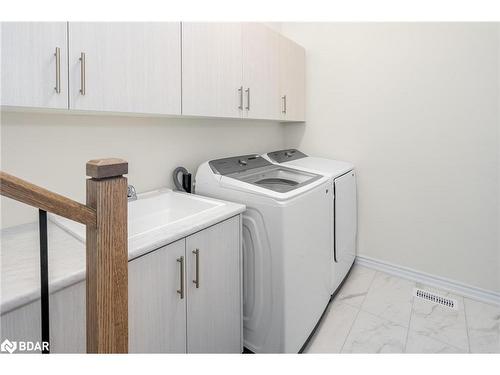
[(237, 164), (282, 156)]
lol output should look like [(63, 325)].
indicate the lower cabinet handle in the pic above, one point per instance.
[(248, 99), (57, 54), (196, 281), (240, 90), (284, 103), (82, 73), (181, 265), (334, 224)]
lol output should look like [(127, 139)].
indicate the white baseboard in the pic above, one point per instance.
[(454, 286)]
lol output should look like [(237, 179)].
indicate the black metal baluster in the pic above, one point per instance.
[(44, 281)]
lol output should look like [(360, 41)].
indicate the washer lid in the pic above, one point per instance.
[(257, 171), (277, 178), (295, 159), (328, 167)]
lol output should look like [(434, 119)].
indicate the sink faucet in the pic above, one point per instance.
[(131, 193)]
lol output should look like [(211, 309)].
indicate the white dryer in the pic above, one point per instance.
[(344, 207), (286, 247)]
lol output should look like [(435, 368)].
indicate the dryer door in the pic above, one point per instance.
[(345, 227)]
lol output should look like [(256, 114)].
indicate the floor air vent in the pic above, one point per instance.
[(432, 297)]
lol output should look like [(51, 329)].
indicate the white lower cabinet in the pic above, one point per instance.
[(66, 321), (207, 319), (157, 313), (214, 311), (200, 314)]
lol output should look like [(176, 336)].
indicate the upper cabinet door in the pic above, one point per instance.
[(34, 64), (292, 80), (125, 67), (261, 72), (212, 69), (214, 305)]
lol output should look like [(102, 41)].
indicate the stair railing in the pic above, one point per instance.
[(105, 218)]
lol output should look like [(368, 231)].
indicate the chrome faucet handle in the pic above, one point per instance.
[(131, 193)]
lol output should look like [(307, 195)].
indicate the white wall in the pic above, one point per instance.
[(51, 149), (415, 107)]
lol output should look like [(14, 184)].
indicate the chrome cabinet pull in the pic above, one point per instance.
[(57, 54), (334, 224), (196, 281), (82, 73), (240, 90), (181, 265), (284, 104), (248, 99)]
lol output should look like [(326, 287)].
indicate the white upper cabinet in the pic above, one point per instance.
[(230, 70), (211, 69), (34, 69), (292, 80), (261, 77), (224, 70), (125, 67)]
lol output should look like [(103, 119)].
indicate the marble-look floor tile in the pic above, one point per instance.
[(372, 309), (483, 322), (420, 343), (391, 298), (333, 330), (371, 334), (356, 286), (438, 322)]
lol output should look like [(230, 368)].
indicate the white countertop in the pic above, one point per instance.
[(20, 263), (20, 259)]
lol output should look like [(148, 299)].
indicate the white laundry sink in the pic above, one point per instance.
[(152, 212)]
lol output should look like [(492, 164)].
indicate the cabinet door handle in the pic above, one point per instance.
[(284, 104), (240, 90), (57, 54), (334, 224), (82, 73), (196, 281), (248, 99), (181, 265)]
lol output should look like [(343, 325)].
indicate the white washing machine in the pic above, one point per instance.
[(344, 207), (286, 247)]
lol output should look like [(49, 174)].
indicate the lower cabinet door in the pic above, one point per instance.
[(157, 311), (214, 316)]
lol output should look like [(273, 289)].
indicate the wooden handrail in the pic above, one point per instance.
[(36, 196), (105, 217)]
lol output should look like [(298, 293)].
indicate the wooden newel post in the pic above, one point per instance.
[(107, 257)]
